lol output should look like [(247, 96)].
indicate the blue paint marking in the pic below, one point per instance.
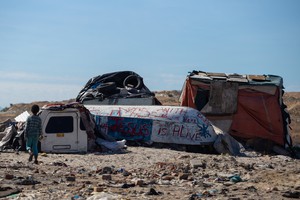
[(204, 132), (127, 128)]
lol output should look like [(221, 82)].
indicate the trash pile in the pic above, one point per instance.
[(12, 132), (12, 136), (115, 85)]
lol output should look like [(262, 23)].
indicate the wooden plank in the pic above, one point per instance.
[(257, 77)]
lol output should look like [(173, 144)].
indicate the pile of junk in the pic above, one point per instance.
[(122, 110), (117, 88)]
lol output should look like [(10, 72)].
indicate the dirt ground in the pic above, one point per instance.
[(171, 98), (149, 173), (152, 173)]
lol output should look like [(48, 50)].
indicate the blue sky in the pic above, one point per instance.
[(50, 49)]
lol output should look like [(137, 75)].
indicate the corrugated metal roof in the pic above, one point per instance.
[(241, 79)]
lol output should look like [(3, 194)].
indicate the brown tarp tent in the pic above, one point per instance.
[(245, 106)]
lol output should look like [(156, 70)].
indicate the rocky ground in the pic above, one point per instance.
[(149, 173), (171, 98)]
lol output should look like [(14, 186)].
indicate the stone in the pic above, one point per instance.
[(9, 176), (98, 189), (139, 182), (106, 177), (127, 185), (183, 176), (152, 191), (126, 173), (167, 177), (228, 183), (195, 163), (107, 170), (70, 178)]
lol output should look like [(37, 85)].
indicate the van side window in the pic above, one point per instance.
[(61, 124), (82, 127)]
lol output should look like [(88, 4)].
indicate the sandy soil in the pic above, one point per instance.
[(149, 173)]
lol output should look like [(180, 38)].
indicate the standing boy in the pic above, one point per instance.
[(33, 130)]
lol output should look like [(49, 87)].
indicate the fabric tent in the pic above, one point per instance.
[(245, 106)]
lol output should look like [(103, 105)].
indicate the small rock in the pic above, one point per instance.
[(184, 156), (196, 196), (27, 182), (59, 164), (167, 177), (152, 181), (197, 164), (98, 189), (228, 183), (251, 188), (126, 173), (43, 172), (225, 176), (164, 182), (70, 178), (139, 182), (152, 191), (248, 167), (207, 184), (9, 176), (81, 171), (183, 176), (205, 176), (107, 170), (106, 177), (127, 185)]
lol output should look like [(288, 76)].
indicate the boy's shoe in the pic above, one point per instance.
[(30, 155), (35, 160), (30, 158)]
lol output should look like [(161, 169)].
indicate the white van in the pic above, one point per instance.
[(63, 131)]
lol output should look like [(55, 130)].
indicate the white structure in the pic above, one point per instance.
[(65, 129), (165, 124)]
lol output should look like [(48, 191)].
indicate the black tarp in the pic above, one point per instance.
[(122, 84)]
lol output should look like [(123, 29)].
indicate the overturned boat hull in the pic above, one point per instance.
[(163, 124)]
